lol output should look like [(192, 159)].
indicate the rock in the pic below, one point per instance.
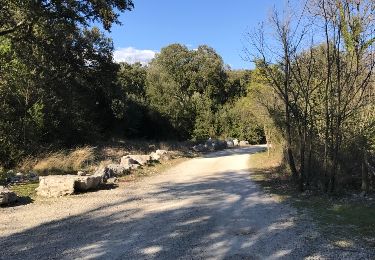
[(161, 152), (235, 142), (7, 196), (230, 144), (159, 155), (102, 172), (62, 185), (244, 143), (56, 185), (155, 157), (81, 173), (15, 179), (219, 145), (126, 161), (141, 159), (19, 174), (32, 176), (200, 148), (116, 169), (84, 183), (110, 171)]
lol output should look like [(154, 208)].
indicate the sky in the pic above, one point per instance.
[(221, 24)]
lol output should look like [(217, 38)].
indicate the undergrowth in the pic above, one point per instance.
[(342, 217)]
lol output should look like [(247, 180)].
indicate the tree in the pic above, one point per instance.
[(180, 80), (326, 86), (56, 72)]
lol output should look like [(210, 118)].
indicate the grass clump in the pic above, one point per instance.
[(61, 162), (25, 189)]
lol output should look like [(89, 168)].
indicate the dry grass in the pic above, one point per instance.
[(264, 160), (88, 158), (61, 161)]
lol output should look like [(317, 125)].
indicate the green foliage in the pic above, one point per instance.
[(57, 75), (189, 87), (60, 87), (322, 96), (237, 120)]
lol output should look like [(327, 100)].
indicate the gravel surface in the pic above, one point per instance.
[(204, 208)]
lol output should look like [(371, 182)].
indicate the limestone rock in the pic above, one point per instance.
[(7, 196), (116, 169), (235, 142), (244, 143), (56, 185), (161, 152), (159, 155), (141, 159), (61, 185), (110, 171), (128, 162), (155, 157), (84, 183), (102, 173), (230, 143)]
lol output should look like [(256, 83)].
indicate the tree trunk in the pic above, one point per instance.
[(365, 180)]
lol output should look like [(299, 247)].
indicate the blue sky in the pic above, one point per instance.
[(218, 23)]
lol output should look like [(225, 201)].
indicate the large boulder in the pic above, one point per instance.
[(84, 183), (110, 171), (141, 159), (230, 143), (219, 145), (200, 148), (116, 169), (155, 157), (235, 142), (62, 185), (102, 172), (159, 155), (32, 176), (56, 185), (161, 152), (7, 196), (128, 162), (244, 143)]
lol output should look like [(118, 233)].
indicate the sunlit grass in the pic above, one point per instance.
[(25, 189)]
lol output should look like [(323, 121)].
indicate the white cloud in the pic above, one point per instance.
[(132, 55)]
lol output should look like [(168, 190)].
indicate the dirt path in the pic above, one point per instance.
[(204, 208)]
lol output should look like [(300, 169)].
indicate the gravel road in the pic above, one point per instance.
[(204, 208)]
